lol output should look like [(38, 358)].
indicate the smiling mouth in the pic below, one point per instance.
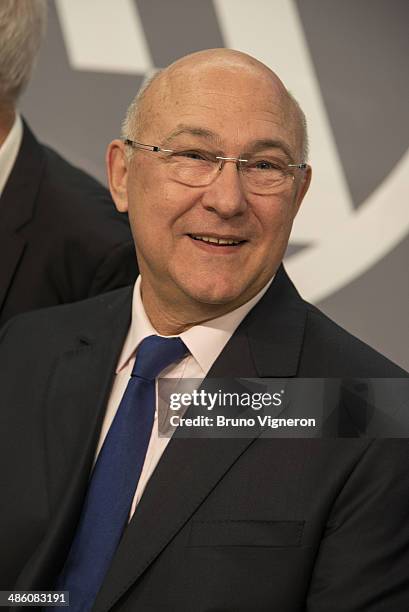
[(220, 242)]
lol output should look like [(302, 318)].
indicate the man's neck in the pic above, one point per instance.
[(7, 118), (170, 318), (169, 322)]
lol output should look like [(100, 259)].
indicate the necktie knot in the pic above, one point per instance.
[(156, 353)]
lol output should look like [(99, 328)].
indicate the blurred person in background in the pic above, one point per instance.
[(61, 238)]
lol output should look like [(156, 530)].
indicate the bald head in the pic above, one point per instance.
[(222, 60), (223, 70)]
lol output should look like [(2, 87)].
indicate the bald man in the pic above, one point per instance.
[(212, 171)]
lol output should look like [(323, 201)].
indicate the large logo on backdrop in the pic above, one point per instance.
[(357, 209)]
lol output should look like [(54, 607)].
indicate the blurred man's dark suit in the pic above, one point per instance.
[(231, 525), (61, 238)]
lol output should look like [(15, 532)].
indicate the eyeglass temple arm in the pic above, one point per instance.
[(300, 166), (140, 145)]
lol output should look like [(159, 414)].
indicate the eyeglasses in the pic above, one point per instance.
[(261, 174)]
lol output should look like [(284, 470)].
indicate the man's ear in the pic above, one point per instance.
[(303, 187), (117, 171)]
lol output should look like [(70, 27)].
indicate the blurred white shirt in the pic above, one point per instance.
[(9, 151)]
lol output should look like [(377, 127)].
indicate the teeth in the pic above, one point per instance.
[(215, 240)]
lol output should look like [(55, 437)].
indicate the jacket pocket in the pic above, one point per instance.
[(246, 533)]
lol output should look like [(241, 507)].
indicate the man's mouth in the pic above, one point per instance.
[(216, 241)]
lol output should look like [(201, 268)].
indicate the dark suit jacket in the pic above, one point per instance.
[(234, 525), (61, 238)]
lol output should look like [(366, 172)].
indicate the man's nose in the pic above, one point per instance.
[(225, 194)]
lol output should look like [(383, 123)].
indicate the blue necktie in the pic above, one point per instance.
[(115, 477)]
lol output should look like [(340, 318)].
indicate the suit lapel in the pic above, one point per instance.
[(267, 343), (275, 329), (17, 206), (74, 409), (12, 249)]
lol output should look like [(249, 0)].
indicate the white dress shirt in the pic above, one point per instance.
[(205, 342), (9, 151)]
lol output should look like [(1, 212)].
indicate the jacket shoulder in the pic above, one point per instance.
[(338, 352), (68, 201), (52, 327), (76, 190)]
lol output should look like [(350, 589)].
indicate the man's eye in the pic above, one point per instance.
[(263, 164)]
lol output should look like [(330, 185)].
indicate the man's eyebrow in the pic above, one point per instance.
[(268, 143), (192, 131)]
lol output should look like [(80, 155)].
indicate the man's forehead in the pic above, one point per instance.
[(219, 95), (223, 83)]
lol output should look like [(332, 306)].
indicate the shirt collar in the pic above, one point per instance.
[(9, 151), (204, 341)]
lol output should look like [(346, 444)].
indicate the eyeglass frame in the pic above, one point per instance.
[(238, 161)]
